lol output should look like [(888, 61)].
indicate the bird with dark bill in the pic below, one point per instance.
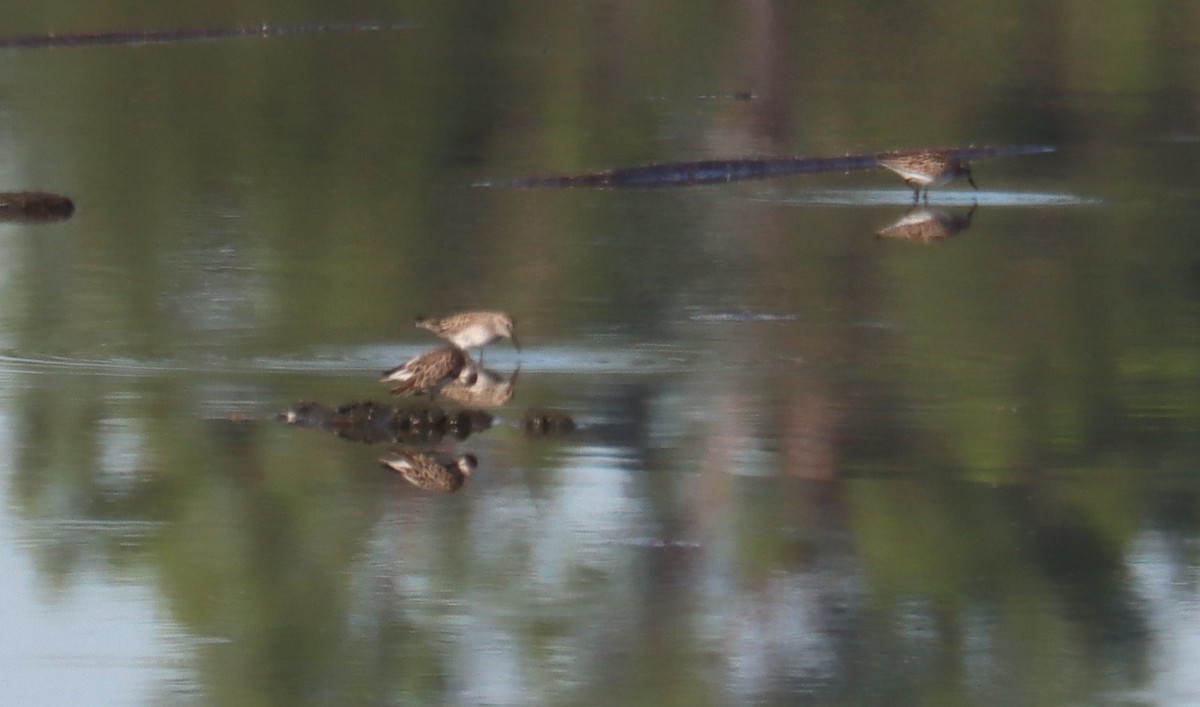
[(923, 170), (429, 471), (472, 330)]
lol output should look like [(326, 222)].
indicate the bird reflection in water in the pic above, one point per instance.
[(431, 471), (924, 224), (487, 390)]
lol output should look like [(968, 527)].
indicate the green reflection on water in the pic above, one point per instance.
[(932, 480)]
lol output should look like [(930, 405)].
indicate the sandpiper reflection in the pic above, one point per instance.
[(925, 224), (488, 390), (430, 470)]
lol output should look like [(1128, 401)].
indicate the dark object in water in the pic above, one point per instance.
[(680, 174), (34, 206), (372, 422), (541, 423), (85, 39)]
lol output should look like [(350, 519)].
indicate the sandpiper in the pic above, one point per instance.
[(470, 330), (927, 169), (427, 471), (420, 374)]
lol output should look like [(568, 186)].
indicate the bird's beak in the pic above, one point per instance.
[(972, 183), (516, 343)]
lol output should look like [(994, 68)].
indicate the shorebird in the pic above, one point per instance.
[(420, 374), (428, 472), (922, 170), (472, 330)]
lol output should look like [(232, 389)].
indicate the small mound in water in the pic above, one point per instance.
[(35, 206)]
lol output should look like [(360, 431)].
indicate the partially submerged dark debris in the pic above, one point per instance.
[(680, 174), (546, 422), (138, 37), (371, 422), (34, 206)]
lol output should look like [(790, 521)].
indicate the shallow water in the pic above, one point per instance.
[(810, 464)]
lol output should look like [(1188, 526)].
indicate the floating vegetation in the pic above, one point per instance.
[(374, 422), (35, 206), (137, 37), (545, 422), (679, 174)]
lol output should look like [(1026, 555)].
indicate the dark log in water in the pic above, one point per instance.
[(34, 206), (134, 37), (680, 174)]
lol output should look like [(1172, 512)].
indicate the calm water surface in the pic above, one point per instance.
[(811, 464)]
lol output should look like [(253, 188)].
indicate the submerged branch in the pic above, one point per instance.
[(679, 174), (85, 39)]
